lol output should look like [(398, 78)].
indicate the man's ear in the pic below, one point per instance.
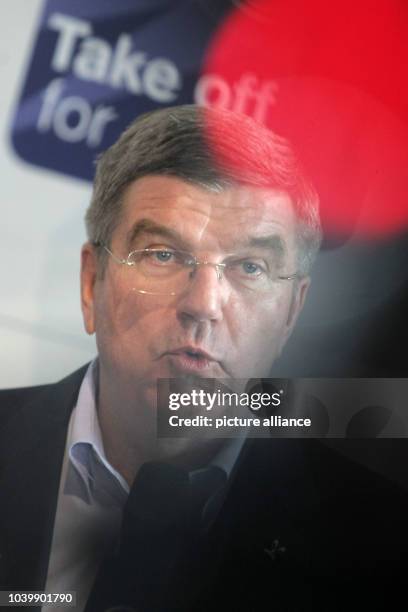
[(88, 279), (298, 299)]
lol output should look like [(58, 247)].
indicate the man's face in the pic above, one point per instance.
[(213, 328)]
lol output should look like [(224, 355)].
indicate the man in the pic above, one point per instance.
[(232, 323), (202, 230)]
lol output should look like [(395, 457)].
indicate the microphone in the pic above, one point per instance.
[(165, 519)]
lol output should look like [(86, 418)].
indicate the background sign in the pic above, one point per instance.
[(96, 65)]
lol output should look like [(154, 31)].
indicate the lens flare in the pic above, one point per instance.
[(330, 77)]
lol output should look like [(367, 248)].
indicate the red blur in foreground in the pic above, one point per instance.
[(332, 78)]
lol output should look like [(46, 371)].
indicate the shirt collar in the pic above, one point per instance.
[(227, 456), (85, 448)]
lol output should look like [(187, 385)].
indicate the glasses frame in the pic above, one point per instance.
[(195, 264)]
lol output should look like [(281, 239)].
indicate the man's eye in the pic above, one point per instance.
[(161, 257), (164, 255), (251, 268)]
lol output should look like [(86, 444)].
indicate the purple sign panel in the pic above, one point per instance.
[(95, 65)]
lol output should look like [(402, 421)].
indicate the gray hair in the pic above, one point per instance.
[(212, 148)]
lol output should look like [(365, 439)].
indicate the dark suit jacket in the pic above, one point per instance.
[(301, 527)]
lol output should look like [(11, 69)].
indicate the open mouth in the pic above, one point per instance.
[(191, 360), (195, 355)]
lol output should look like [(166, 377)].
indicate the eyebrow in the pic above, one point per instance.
[(273, 243), (146, 226)]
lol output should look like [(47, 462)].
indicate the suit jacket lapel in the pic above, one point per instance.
[(271, 487), (33, 450)]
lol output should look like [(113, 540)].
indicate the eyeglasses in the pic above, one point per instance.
[(166, 271)]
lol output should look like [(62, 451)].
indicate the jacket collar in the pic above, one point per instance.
[(33, 451)]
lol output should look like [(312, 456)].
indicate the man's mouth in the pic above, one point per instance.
[(192, 360)]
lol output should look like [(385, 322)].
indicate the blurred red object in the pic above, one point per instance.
[(332, 78)]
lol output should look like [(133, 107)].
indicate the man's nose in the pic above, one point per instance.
[(205, 295)]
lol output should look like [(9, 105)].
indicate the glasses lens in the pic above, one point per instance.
[(254, 274), (168, 272), (160, 271)]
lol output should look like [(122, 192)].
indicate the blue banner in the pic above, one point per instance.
[(97, 64)]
